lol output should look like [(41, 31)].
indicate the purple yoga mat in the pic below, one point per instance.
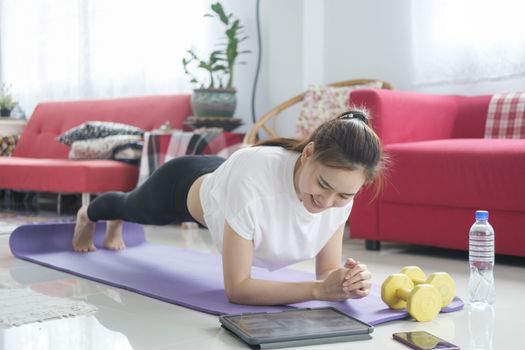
[(171, 274)]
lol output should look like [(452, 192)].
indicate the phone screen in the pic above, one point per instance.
[(422, 340)]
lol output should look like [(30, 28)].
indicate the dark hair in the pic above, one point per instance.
[(344, 142)]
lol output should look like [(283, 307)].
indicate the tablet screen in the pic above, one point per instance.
[(298, 324)]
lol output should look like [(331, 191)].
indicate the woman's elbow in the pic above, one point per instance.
[(234, 294), (230, 294)]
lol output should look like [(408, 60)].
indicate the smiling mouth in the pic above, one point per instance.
[(315, 203)]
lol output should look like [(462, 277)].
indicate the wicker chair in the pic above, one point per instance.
[(263, 122)]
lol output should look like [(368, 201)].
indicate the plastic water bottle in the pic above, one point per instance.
[(481, 259), (481, 322)]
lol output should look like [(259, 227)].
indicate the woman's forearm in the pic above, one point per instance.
[(324, 274), (264, 292)]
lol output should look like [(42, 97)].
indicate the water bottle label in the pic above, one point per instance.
[(481, 248), (482, 265)]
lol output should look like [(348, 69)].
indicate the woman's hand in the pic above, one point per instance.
[(331, 288), (357, 281), (352, 281)]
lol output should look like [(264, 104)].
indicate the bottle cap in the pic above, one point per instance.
[(482, 215)]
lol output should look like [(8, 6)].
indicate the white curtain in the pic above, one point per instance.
[(461, 41), (76, 49)]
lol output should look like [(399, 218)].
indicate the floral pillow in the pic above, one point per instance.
[(100, 148), (325, 102), (97, 129), (7, 144)]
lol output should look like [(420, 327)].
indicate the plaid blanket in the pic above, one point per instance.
[(161, 147), (506, 116)]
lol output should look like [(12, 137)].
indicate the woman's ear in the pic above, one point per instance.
[(308, 150)]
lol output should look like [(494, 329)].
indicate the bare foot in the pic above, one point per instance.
[(84, 230), (113, 239)]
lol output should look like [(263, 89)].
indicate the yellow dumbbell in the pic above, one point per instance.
[(441, 280), (423, 302)]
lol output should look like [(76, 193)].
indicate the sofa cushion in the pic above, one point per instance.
[(63, 175), (403, 116), (7, 145), (102, 148), (97, 129), (479, 173), (506, 116), (130, 152)]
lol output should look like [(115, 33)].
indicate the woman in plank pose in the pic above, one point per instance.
[(271, 205)]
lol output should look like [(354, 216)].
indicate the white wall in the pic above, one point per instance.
[(281, 75), (368, 39), (291, 31), (323, 41)]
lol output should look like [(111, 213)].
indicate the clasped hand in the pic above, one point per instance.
[(351, 281)]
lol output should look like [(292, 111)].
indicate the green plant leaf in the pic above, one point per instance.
[(217, 8)]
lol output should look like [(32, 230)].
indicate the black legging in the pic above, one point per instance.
[(161, 199)]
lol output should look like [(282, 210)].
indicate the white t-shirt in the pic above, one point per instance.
[(253, 191)]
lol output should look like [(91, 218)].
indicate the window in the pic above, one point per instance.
[(64, 49), (456, 41)]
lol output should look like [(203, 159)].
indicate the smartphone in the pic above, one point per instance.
[(422, 340)]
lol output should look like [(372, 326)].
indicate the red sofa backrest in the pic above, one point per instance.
[(51, 119), (471, 116), (400, 116)]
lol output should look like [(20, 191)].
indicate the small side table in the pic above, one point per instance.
[(11, 126)]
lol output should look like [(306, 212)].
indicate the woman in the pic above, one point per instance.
[(264, 206)]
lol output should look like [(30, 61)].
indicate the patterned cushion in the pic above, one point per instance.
[(129, 153), (7, 144), (97, 129), (506, 116), (100, 148), (324, 102)]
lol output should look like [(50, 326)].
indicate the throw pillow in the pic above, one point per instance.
[(506, 116), (100, 148), (97, 129), (7, 145), (128, 152), (325, 102)]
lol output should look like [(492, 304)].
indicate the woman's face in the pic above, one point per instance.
[(320, 187)]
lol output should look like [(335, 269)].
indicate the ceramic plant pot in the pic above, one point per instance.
[(213, 102)]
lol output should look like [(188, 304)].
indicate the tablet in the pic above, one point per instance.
[(296, 327)]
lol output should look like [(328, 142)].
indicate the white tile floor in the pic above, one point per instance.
[(127, 320)]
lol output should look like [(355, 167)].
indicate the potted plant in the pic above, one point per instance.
[(216, 94), (7, 102)]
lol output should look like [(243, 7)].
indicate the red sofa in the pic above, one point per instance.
[(442, 170), (40, 163)]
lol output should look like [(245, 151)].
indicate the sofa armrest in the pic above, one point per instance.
[(399, 116)]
